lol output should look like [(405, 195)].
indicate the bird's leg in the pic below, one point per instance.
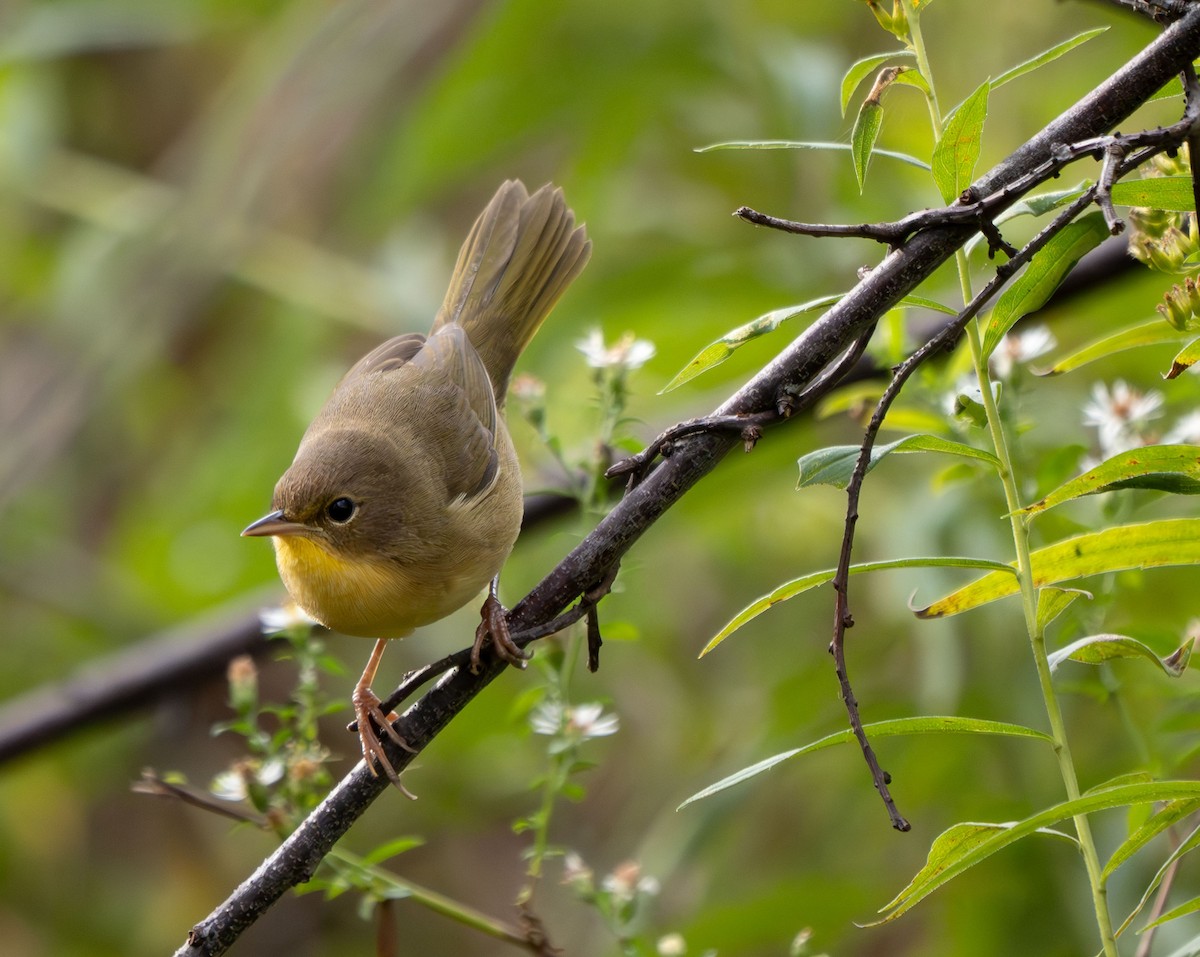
[(495, 623), (368, 714)]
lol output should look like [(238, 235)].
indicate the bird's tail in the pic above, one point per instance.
[(519, 258)]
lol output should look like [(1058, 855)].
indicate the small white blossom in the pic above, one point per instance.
[(284, 618), (576, 873), (232, 785), (590, 721), (1018, 348), (627, 353), (671, 945), (1121, 415), (1184, 432), (626, 882), (580, 722)]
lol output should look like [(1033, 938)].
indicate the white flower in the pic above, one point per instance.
[(626, 354), (671, 945), (590, 721), (626, 882), (1185, 432), (580, 722), (1121, 415), (284, 618), (547, 718), (1018, 348), (575, 872)]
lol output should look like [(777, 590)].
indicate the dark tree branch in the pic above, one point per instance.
[(785, 378)]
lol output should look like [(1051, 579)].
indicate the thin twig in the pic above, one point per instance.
[(841, 581), (748, 426)]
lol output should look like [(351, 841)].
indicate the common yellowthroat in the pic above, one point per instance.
[(404, 498)]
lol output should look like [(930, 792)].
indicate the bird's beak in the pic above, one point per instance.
[(273, 523)]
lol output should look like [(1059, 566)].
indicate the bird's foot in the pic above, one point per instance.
[(369, 716), (494, 623)]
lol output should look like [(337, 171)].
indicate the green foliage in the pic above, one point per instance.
[(957, 149), (212, 208)]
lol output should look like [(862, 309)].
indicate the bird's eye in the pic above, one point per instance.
[(341, 510)]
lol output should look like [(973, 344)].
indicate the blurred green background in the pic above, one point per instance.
[(210, 208)]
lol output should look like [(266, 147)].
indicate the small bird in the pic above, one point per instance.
[(404, 499)]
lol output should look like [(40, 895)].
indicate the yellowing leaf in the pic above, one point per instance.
[(800, 585), (1149, 545), (1150, 333), (1166, 468)]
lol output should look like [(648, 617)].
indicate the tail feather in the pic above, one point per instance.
[(519, 258)]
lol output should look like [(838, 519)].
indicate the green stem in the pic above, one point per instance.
[(439, 903), (1020, 533)]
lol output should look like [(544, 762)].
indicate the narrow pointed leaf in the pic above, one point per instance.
[(834, 465), (1094, 649), (1171, 813), (805, 145), (862, 69), (862, 138), (1047, 56), (1167, 468), (957, 152), (718, 351), (1184, 359), (1149, 545), (927, 724), (1190, 843), (1188, 907), (1153, 332), (800, 585), (1158, 192), (971, 849), (1043, 275)]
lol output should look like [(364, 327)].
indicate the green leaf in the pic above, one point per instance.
[(798, 586), (834, 465), (1045, 57), (1190, 843), (910, 76), (954, 857), (391, 848), (956, 153), (927, 724), (717, 352), (805, 145), (1158, 192), (863, 136), (861, 69), (1148, 545), (1153, 332), (1052, 602), (1188, 907), (1165, 468), (1184, 359), (1171, 813), (1095, 649), (1042, 276)]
